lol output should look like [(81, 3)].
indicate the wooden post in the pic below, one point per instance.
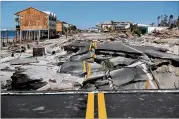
[(7, 36), (2, 35), (29, 34), (1, 41), (48, 34), (36, 34), (3, 38), (25, 34), (20, 35), (16, 36), (48, 28), (39, 36), (33, 35)]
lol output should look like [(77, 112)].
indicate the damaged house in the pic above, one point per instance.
[(34, 24), (119, 26), (63, 26)]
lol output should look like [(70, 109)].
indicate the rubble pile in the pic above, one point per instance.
[(167, 33), (90, 62), (114, 65)]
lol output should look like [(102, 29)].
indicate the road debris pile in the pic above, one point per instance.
[(122, 66), (90, 64), (167, 33)]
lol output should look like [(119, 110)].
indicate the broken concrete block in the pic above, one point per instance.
[(121, 61), (23, 61), (104, 87), (78, 68), (21, 81), (134, 85), (101, 83), (38, 51), (52, 80), (63, 85), (89, 87), (53, 50), (125, 75)]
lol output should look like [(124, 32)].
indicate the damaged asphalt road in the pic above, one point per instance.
[(93, 65), (75, 105), (137, 50), (115, 63)]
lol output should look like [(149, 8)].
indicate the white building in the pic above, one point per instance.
[(52, 19)]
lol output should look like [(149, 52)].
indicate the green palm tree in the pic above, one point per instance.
[(171, 17), (165, 20), (158, 18), (177, 22)]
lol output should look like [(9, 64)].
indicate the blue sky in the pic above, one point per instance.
[(87, 14)]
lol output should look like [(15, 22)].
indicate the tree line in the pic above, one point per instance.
[(168, 21)]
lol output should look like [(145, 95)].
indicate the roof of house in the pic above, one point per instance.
[(65, 23), (46, 12), (49, 13), (144, 25)]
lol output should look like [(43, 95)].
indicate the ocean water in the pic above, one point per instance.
[(11, 34)]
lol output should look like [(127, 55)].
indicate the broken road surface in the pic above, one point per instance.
[(90, 64)]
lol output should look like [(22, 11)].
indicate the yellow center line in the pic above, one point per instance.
[(94, 56), (95, 45), (89, 70), (101, 106), (146, 84), (90, 47), (90, 106), (84, 65)]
